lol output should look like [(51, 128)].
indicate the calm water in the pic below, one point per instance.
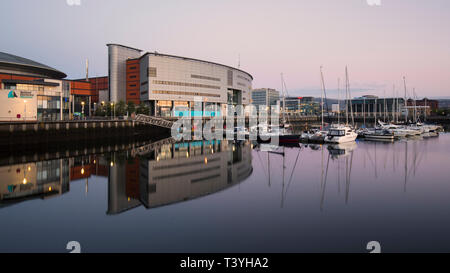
[(232, 197)]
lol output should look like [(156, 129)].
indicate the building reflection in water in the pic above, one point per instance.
[(162, 175), (21, 182), (177, 172)]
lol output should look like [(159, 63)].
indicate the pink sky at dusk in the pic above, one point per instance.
[(380, 44)]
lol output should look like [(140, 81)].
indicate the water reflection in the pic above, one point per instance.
[(152, 175), (45, 179), (296, 194)]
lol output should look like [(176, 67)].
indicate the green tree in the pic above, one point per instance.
[(121, 108), (131, 108), (108, 110), (100, 111), (142, 109)]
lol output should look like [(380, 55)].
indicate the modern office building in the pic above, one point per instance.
[(423, 107), (31, 91), (372, 106), (305, 106), (168, 83), (265, 97)]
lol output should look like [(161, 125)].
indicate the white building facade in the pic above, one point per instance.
[(169, 83)]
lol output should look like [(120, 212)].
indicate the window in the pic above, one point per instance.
[(152, 72), (183, 93), (144, 83), (230, 77), (205, 78), (186, 84), (133, 77), (244, 78), (132, 67)]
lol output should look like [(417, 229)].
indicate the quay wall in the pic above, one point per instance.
[(17, 134)]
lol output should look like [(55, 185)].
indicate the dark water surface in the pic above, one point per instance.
[(232, 197)]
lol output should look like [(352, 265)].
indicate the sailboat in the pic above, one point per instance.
[(343, 133), (318, 136), (284, 132)]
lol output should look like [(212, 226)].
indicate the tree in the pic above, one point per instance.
[(100, 111), (131, 108), (121, 108), (142, 109)]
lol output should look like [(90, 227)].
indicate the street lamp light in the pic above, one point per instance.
[(113, 109), (82, 109)]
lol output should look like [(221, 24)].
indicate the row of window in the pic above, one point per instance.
[(243, 78), (205, 78), (183, 93), (186, 84)]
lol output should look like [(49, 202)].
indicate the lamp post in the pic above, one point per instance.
[(113, 110), (103, 105), (82, 109)]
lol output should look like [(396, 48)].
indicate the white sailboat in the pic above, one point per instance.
[(343, 133)]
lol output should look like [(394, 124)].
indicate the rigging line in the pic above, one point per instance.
[(371, 160), (292, 173), (349, 178), (260, 162), (325, 183)]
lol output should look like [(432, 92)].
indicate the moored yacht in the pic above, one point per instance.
[(341, 134), (380, 134)]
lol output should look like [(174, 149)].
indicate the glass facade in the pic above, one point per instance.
[(371, 106), (305, 106), (265, 97), (48, 99)]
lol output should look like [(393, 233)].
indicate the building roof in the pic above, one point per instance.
[(36, 82), (197, 60), (129, 47), (14, 62)]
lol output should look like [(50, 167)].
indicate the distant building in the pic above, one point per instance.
[(265, 97), (301, 106), (444, 103), (423, 106), (31, 91), (371, 106)]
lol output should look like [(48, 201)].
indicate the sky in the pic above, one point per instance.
[(379, 44)]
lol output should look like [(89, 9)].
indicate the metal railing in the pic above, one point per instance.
[(154, 121)]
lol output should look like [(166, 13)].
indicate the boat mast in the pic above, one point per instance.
[(425, 109), (375, 110), (349, 97), (364, 111), (323, 91), (415, 105), (393, 103), (385, 111), (284, 99), (406, 102), (346, 96), (339, 100)]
